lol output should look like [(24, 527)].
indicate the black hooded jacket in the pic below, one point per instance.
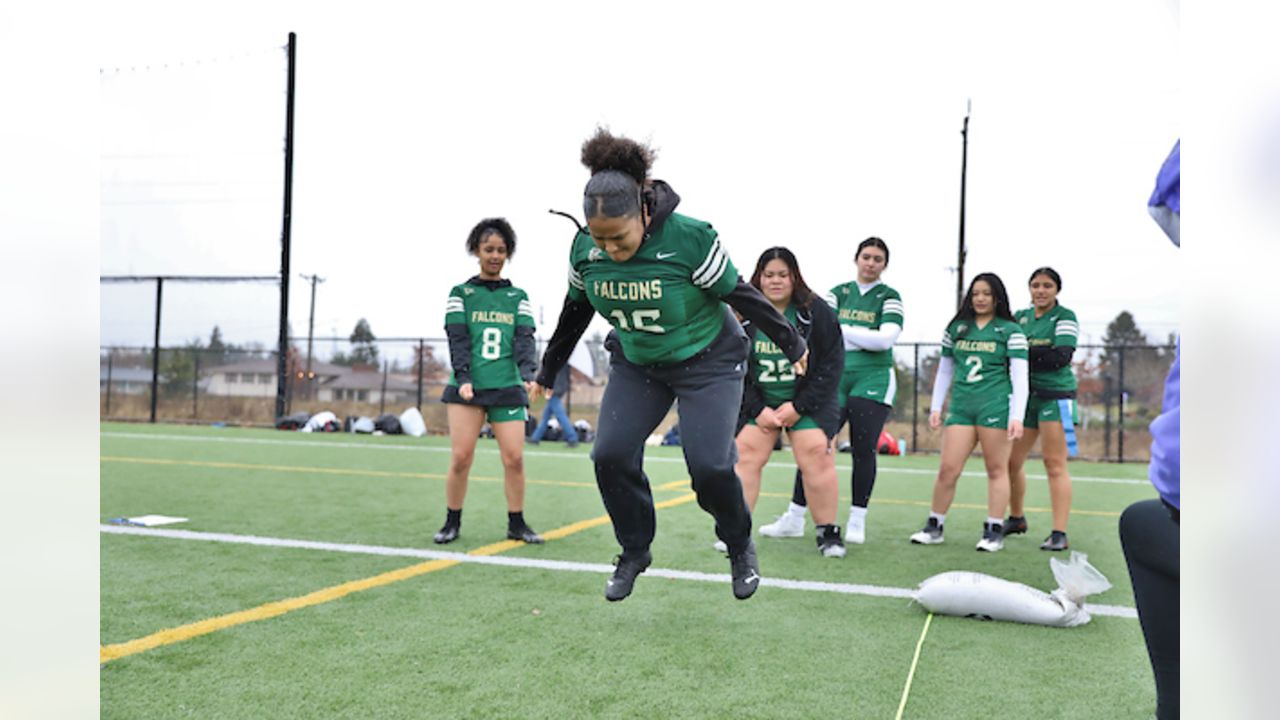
[(816, 390)]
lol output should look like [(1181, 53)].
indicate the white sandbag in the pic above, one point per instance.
[(319, 420), (971, 594), (363, 425), (411, 423)]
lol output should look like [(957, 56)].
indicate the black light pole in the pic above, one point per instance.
[(282, 360), (155, 350), (964, 165)]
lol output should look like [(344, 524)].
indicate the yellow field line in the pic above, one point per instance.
[(272, 609), (965, 506), (906, 690), (323, 470)]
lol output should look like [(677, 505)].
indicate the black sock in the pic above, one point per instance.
[(1016, 518), (515, 520), (826, 531), (454, 519)]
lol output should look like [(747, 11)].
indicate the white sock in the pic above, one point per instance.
[(856, 512), (942, 517), (795, 510), (995, 521)]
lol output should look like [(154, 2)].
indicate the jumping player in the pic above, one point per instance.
[(490, 327), (987, 352), (662, 280)]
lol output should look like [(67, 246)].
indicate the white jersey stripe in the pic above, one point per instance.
[(724, 263), (712, 258)]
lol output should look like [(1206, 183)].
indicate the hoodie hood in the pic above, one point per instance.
[(661, 201)]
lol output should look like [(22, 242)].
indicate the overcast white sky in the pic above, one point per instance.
[(811, 128)]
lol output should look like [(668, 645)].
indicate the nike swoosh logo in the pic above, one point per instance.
[(513, 411), (992, 419), (511, 294), (664, 256), (754, 577)]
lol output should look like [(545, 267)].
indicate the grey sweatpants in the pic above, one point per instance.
[(709, 388)]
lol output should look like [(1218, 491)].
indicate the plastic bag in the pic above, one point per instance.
[(411, 423), (985, 597)]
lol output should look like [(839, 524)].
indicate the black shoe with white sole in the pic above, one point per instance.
[(624, 576), (447, 534), (745, 569), (1015, 525), (1056, 542), (525, 534)]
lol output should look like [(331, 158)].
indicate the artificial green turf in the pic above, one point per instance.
[(466, 641)]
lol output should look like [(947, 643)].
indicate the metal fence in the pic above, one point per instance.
[(1120, 388)]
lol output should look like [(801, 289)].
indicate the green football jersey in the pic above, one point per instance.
[(879, 305), (491, 317), (664, 301), (981, 357), (1057, 327), (771, 369)]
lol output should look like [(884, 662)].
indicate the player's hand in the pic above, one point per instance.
[(802, 364), (767, 420), (1015, 429), (786, 414), (466, 391), (533, 389), (935, 419)]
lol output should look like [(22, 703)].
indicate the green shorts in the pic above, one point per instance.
[(992, 413), (505, 413), (875, 384), (1043, 410), (806, 422)]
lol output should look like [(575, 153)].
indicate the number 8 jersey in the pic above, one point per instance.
[(491, 312), (981, 357), (665, 299)]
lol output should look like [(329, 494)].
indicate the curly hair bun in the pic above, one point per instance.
[(605, 151)]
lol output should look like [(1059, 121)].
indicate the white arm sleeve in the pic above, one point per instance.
[(1018, 400), (863, 338), (941, 383)]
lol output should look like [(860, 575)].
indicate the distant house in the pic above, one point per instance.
[(257, 378), (365, 385), (125, 380)]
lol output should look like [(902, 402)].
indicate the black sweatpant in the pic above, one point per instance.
[(866, 422), (709, 389), (1150, 539)]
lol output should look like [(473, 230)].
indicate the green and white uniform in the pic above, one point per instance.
[(981, 388), (493, 313), (867, 374), (664, 301), (773, 374), (1056, 328)]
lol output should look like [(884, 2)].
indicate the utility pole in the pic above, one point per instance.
[(282, 359), (311, 331), (964, 165)]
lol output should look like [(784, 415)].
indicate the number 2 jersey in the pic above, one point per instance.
[(490, 327), (981, 357)]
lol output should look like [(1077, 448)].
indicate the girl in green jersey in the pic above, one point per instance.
[(491, 347), (987, 352), (665, 283), (774, 399), (1052, 332)]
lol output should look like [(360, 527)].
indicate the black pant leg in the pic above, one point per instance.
[(866, 422), (1151, 544), (633, 405), (709, 392)]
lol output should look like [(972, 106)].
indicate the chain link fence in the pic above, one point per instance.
[(1120, 387)]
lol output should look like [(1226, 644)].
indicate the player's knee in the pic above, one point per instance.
[(461, 460), (513, 461)]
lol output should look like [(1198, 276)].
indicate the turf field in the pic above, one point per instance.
[(306, 585)]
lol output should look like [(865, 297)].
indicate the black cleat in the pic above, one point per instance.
[(1057, 541), (525, 534), (624, 576), (1015, 525), (447, 534), (745, 569)]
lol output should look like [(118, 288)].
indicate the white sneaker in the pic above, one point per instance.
[(719, 546), (856, 530), (992, 538), (787, 525), (931, 534)]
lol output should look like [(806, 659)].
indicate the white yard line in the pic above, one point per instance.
[(562, 565), (533, 453)]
